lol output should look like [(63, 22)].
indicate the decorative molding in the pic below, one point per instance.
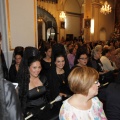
[(8, 24), (35, 22), (71, 13)]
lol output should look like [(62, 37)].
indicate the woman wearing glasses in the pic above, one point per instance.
[(81, 59), (83, 105)]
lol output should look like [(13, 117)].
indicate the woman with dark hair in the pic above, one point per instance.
[(15, 67), (18, 49), (81, 59), (46, 61), (33, 86), (58, 75)]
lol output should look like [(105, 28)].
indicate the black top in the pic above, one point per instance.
[(58, 84), (45, 67), (37, 97), (96, 64), (103, 78), (12, 73)]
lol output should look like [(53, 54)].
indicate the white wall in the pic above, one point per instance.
[(21, 24), (72, 25), (72, 22), (72, 6)]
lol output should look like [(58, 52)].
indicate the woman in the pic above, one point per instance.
[(58, 77), (71, 57), (81, 59), (33, 86), (96, 64), (15, 67), (46, 61), (83, 105)]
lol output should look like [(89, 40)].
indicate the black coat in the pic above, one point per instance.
[(9, 102), (113, 100), (55, 86)]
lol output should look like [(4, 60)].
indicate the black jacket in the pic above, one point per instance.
[(113, 100), (9, 102)]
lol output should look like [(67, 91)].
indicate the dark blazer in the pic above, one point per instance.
[(113, 100), (10, 108)]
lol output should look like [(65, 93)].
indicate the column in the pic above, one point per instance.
[(87, 17), (95, 15)]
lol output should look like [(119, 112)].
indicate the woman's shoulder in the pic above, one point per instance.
[(96, 102), (66, 106)]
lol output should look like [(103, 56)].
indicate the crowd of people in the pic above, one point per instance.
[(83, 75)]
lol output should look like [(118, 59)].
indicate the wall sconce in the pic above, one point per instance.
[(92, 26), (62, 16)]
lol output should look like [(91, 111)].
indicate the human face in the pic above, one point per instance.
[(35, 69), (74, 51), (60, 62), (49, 52), (83, 59), (76, 47), (94, 89), (97, 55), (18, 59)]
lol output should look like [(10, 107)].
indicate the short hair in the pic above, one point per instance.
[(94, 51), (105, 51), (81, 79), (47, 47), (78, 54), (98, 47)]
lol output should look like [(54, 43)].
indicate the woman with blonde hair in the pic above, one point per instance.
[(83, 105)]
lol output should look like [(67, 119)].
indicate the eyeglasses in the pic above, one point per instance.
[(96, 82), (83, 58)]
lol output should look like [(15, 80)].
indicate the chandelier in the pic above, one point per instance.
[(106, 8), (62, 15)]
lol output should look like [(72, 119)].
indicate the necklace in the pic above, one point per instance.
[(38, 89)]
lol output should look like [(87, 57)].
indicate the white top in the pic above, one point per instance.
[(106, 63), (68, 112)]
